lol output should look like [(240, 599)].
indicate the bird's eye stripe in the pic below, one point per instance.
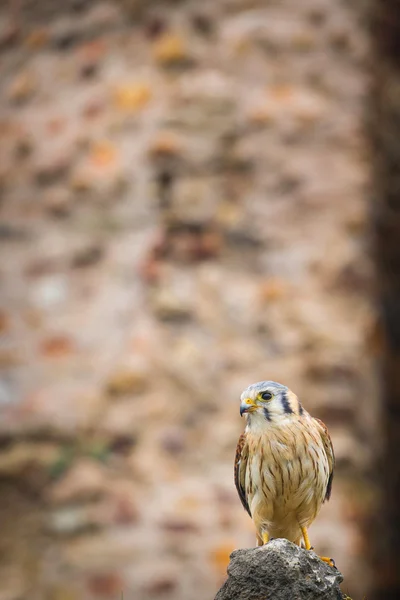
[(287, 409), (267, 414)]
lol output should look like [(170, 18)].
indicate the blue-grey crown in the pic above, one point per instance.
[(267, 385)]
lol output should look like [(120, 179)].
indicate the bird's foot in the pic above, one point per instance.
[(328, 561)]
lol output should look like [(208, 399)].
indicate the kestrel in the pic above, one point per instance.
[(284, 464)]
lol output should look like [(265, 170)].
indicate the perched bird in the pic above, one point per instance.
[(284, 464)]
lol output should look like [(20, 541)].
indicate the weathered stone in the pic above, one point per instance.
[(22, 87), (165, 144), (282, 571), (173, 441), (169, 305), (24, 147), (105, 585), (4, 322), (126, 381), (37, 38), (9, 34), (171, 50), (161, 585), (51, 168), (49, 292), (57, 202), (89, 58), (195, 199), (123, 506), (87, 256), (179, 525), (84, 481), (73, 520), (284, 102), (24, 456), (10, 357)]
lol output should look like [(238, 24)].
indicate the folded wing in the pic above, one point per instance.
[(242, 454), (327, 443)]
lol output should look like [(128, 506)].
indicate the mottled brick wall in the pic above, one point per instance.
[(182, 213)]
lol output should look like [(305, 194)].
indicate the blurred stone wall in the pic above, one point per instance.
[(182, 213)]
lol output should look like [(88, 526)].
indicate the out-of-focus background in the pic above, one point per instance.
[(183, 213)]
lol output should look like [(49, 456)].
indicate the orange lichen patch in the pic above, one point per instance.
[(103, 154), (220, 556), (132, 97), (57, 346), (273, 289), (170, 49)]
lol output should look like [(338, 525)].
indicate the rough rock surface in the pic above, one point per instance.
[(280, 571)]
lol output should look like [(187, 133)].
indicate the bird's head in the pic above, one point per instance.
[(269, 401)]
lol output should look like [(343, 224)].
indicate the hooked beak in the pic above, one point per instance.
[(247, 406)]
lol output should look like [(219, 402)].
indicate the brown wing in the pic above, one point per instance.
[(242, 453), (327, 442)]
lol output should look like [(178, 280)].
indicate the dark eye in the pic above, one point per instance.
[(266, 395)]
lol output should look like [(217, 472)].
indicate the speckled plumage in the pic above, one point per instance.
[(284, 463)]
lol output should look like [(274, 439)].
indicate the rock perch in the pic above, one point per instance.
[(280, 570)]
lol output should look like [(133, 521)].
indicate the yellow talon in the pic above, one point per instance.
[(265, 538), (329, 561), (308, 546), (306, 538)]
